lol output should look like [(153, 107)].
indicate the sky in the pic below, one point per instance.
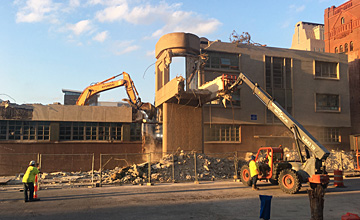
[(50, 45)]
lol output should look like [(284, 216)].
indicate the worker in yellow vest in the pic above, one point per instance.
[(28, 181), (270, 160), (254, 172)]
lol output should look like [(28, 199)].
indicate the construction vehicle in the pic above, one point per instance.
[(288, 174), (354, 145), (134, 99)]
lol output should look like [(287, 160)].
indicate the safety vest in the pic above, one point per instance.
[(29, 176), (270, 161), (254, 168)]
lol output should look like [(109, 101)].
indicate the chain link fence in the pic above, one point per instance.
[(146, 168)]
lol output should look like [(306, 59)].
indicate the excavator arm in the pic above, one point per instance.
[(134, 99)]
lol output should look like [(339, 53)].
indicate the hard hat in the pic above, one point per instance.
[(32, 163)]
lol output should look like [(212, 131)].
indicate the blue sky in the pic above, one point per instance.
[(50, 45)]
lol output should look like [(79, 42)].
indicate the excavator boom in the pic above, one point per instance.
[(134, 99)]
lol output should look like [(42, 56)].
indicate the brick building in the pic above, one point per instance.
[(342, 35)]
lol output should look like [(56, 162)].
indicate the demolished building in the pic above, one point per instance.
[(311, 86)]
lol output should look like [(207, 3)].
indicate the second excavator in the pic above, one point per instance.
[(134, 99)]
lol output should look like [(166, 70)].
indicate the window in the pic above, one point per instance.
[(336, 50), (346, 48), (223, 61), (342, 20), (222, 133), (327, 102), (341, 48), (325, 70), (278, 84), (135, 132), (351, 46), (329, 135), (90, 131), (24, 130)]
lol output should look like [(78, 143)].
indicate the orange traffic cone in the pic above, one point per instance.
[(36, 187)]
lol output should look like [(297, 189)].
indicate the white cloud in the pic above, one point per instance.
[(81, 27), (170, 16), (36, 11), (112, 13), (181, 21), (101, 37), (124, 47)]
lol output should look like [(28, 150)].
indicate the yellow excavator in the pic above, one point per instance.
[(134, 99)]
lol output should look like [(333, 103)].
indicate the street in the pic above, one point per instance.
[(207, 200)]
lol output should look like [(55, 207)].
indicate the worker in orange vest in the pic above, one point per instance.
[(28, 181), (254, 172)]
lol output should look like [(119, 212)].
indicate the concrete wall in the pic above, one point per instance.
[(39, 112), (182, 128)]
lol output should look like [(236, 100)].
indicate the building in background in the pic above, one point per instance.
[(71, 96), (308, 36), (342, 35)]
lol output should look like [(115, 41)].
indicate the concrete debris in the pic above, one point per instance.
[(337, 160)]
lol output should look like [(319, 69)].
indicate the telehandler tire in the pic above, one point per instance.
[(245, 175), (289, 181)]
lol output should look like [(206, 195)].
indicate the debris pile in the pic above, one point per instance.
[(337, 160), (207, 168)]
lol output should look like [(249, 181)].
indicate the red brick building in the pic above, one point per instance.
[(342, 35), (342, 29)]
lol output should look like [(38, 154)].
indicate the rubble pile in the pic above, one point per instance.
[(207, 168), (337, 160)]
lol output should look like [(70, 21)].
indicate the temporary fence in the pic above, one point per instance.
[(146, 168)]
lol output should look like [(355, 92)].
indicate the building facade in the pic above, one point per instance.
[(342, 35), (308, 36), (311, 86), (65, 129), (342, 29)]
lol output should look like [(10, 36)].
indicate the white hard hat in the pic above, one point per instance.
[(32, 163)]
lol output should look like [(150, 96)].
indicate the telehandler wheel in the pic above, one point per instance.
[(245, 175), (289, 181)]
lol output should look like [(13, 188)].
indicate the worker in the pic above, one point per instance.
[(270, 160), (28, 181), (254, 172)]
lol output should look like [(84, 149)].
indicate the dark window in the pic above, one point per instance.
[(327, 102), (342, 20), (346, 48), (24, 130), (223, 61), (336, 50), (329, 135), (341, 48), (135, 132), (351, 46), (325, 70), (278, 84), (222, 133)]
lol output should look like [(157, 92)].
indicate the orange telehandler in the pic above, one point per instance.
[(134, 99)]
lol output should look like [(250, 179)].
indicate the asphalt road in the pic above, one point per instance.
[(207, 200)]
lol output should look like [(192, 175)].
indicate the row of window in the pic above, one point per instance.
[(232, 133), (68, 131), (344, 48)]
